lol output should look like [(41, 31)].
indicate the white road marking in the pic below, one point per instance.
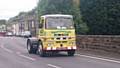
[(53, 66), (25, 56), (8, 50), (103, 59)]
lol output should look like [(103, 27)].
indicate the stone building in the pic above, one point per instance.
[(25, 21)]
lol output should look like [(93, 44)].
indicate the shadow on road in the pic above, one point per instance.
[(51, 55)]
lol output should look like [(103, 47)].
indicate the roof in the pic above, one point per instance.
[(57, 15)]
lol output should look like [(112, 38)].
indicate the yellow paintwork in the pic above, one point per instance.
[(51, 38)]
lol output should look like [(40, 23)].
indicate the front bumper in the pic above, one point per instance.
[(60, 48)]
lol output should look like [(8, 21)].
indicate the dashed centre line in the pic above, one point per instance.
[(8, 50), (18, 53), (53, 66), (25, 56)]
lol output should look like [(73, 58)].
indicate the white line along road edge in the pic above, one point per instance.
[(108, 60), (53, 66), (8, 50)]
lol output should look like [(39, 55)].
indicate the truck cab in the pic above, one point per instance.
[(56, 33)]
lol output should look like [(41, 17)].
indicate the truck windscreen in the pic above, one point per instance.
[(59, 23)]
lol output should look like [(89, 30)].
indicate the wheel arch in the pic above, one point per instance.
[(32, 40), (39, 40)]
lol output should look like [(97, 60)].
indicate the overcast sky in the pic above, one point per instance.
[(11, 8)]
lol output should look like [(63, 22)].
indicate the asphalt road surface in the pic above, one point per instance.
[(13, 54)]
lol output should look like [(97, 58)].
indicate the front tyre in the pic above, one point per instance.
[(71, 53), (30, 48), (41, 52)]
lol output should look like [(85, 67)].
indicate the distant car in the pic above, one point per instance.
[(26, 34), (9, 34), (2, 33)]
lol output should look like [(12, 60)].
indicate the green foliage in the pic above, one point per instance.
[(63, 7), (101, 16), (54, 6)]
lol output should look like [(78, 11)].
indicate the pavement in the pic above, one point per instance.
[(13, 54)]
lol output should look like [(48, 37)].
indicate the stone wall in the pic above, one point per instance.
[(99, 42)]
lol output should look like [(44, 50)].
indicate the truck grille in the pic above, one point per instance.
[(61, 41), (62, 38), (60, 34)]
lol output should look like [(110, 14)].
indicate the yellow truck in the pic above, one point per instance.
[(55, 33)]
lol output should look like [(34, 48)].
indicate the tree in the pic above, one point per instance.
[(63, 7), (101, 16)]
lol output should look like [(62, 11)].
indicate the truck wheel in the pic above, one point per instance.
[(41, 52), (30, 48), (71, 53)]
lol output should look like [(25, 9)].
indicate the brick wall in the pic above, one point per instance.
[(99, 42)]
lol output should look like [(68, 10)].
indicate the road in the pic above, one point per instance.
[(13, 54)]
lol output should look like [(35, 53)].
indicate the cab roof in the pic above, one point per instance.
[(57, 15)]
